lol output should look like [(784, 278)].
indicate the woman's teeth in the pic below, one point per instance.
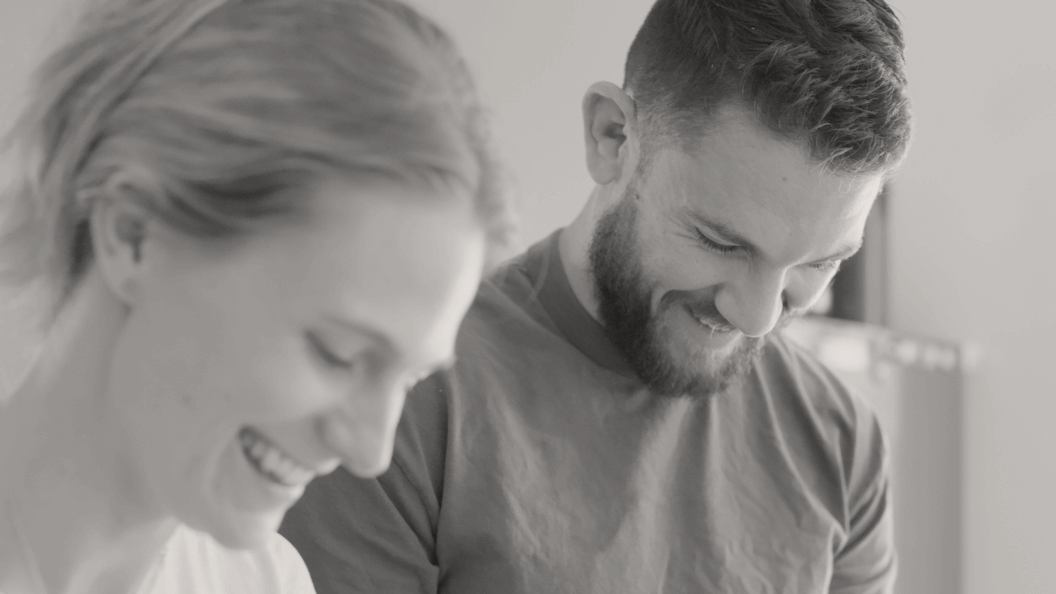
[(271, 462)]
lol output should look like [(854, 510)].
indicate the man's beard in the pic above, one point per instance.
[(644, 338)]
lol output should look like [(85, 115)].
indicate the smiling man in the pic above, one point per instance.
[(623, 416)]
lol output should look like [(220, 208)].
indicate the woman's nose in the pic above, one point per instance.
[(361, 431)]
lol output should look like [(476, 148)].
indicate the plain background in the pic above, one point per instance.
[(972, 212)]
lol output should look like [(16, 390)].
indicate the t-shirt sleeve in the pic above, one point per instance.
[(866, 563), (378, 535)]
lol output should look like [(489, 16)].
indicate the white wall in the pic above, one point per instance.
[(974, 257), (534, 61), (27, 27)]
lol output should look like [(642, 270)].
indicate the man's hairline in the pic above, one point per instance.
[(653, 141)]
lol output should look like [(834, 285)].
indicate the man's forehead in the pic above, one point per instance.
[(779, 200), (767, 171)]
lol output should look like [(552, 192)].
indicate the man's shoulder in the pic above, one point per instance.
[(828, 430), (792, 375), (506, 291), (505, 330), (505, 319)]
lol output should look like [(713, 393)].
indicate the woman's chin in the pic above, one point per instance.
[(243, 531), (243, 507)]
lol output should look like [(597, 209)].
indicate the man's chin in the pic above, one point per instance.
[(703, 370)]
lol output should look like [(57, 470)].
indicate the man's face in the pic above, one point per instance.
[(709, 251)]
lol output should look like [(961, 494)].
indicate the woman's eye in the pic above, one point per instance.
[(327, 354)]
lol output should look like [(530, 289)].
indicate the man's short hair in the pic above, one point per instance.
[(827, 73)]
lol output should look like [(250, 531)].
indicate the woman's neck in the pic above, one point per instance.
[(89, 522)]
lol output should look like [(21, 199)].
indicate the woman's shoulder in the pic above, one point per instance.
[(195, 562)]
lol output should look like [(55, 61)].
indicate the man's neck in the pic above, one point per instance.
[(574, 248)]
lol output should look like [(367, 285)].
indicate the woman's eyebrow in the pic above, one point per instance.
[(361, 328), (385, 343)]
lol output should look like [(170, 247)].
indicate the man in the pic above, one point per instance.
[(623, 416)]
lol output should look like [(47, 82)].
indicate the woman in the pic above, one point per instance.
[(252, 224)]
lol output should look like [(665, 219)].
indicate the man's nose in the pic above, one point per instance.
[(754, 302), (362, 429)]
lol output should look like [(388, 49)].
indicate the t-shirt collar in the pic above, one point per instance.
[(547, 275)]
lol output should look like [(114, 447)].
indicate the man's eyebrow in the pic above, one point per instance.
[(848, 251), (726, 233)]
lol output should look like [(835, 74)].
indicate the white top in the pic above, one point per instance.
[(194, 563)]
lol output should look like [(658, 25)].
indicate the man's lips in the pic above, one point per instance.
[(711, 321)]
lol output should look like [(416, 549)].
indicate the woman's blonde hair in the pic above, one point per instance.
[(210, 111)]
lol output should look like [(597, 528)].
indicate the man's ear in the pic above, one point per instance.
[(609, 127), (121, 228)]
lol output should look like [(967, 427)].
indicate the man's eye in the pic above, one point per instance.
[(827, 266), (327, 354), (715, 246)]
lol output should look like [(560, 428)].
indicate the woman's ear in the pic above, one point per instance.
[(120, 229), (609, 128)]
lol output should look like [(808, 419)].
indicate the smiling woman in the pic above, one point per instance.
[(247, 227)]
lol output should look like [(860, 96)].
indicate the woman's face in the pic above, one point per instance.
[(249, 365)]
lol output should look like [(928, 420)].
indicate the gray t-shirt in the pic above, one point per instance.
[(540, 464)]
